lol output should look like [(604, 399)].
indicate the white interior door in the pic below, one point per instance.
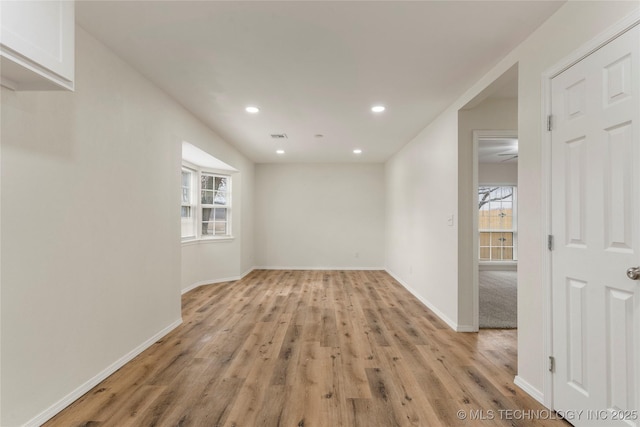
[(596, 226)]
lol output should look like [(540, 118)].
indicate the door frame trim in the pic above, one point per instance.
[(613, 32)]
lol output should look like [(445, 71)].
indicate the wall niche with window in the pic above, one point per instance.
[(206, 195)]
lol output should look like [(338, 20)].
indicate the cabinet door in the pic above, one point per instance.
[(37, 44)]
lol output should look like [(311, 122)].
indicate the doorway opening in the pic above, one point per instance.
[(496, 228)]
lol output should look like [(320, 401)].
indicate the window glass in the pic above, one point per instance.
[(214, 205), (497, 223)]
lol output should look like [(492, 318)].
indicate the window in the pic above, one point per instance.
[(215, 200), (497, 223), (211, 210), (187, 210)]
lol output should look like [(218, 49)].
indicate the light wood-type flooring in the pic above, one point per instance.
[(313, 348)]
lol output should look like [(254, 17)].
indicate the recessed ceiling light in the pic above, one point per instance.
[(378, 108), (280, 151), (357, 151), (252, 110)]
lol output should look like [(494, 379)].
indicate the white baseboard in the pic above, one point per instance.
[(529, 389), (466, 328), (212, 281), (54, 409), (320, 268), (209, 282), (246, 273), (234, 278), (453, 325)]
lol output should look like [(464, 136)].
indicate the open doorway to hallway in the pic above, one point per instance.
[(497, 229), (488, 136)]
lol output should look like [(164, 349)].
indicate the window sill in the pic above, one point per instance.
[(207, 240)]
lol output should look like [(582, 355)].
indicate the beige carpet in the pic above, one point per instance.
[(498, 300)]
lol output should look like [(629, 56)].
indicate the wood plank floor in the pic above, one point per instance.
[(312, 348)]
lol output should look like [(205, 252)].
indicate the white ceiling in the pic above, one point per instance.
[(314, 67)]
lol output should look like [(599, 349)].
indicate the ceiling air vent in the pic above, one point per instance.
[(279, 135)]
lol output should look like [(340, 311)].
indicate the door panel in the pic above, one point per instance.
[(576, 160), (577, 335), (618, 176), (617, 80), (596, 220), (620, 307)]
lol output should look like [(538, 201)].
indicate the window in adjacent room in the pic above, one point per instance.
[(497, 221)]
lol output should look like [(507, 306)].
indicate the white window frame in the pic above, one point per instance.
[(191, 205), (198, 205), (202, 206), (513, 229)]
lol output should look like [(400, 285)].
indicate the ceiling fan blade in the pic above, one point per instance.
[(510, 158)]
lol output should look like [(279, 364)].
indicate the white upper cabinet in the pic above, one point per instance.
[(37, 44)]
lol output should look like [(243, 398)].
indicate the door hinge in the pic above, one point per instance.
[(552, 364), (550, 242), (549, 122)]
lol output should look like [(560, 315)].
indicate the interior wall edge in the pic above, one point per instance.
[(452, 324), (209, 282)]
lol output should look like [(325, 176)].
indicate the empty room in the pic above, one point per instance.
[(271, 213)]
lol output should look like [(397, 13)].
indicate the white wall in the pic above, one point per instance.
[(90, 226), (574, 24), (319, 215), (247, 231), (423, 192), (422, 196)]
